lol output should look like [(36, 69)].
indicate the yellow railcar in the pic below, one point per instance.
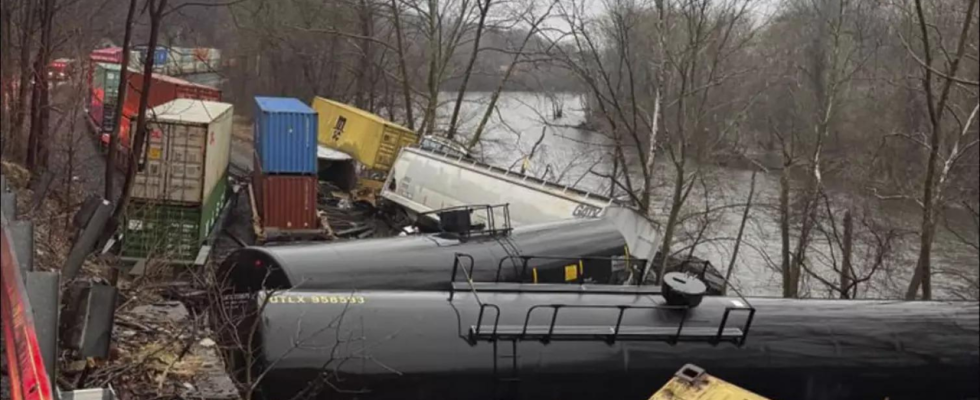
[(372, 140)]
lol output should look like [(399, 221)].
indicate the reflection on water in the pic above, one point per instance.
[(566, 153)]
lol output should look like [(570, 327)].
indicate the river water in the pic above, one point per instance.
[(566, 153)]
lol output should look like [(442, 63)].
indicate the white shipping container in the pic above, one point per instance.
[(182, 61), (188, 152), (423, 181)]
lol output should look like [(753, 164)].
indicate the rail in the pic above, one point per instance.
[(713, 334)]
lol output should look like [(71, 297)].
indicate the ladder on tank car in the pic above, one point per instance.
[(488, 327), (458, 221)]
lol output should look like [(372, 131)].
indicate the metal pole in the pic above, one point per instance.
[(87, 240)]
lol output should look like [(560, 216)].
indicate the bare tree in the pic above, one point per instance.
[(157, 10), (945, 147), (711, 37), (110, 170), (37, 142), (835, 47), (484, 9), (535, 22), (20, 105), (443, 41), (402, 65)]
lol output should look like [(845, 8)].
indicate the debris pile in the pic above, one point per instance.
[(160, 350), (351, 215)]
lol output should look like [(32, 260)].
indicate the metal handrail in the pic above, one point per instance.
[(745, 328), (619, 320), (469, 274), (611, 338), (491, 217), (748, 306), (496, 321)]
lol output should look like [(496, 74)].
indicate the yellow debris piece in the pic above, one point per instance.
[(693, 383)]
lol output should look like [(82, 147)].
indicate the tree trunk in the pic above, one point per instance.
[(846, 270), (451, 134), (6, 95), (784, 189), (675, 211), (923, 266), (503, 81), (110, 169), (20, 106), (435, 45), (406, 83), (364, 70), (157, 8), (37, 144), (803, 244), (741, 232), (615, 173), (658, 93), (933, 184)]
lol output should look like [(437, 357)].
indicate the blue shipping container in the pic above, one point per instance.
[(285, 136), (160, 56)]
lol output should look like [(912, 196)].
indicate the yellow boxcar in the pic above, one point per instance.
[(693, 383), (371, 140)]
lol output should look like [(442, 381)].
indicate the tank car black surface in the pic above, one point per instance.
[(604, 344)]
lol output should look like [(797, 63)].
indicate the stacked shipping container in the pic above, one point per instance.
[(179, 60), (181, 187), (103, 97), (284, 181)]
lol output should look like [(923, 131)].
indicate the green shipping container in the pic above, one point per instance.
[(171, 232)]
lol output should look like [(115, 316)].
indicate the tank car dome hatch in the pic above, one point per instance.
[(682, 289)]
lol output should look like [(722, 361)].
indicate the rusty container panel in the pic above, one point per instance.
[(286, 202)]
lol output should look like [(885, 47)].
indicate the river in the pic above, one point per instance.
[(567, 153)]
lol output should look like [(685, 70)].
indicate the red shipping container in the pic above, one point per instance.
[(163, 89), (112, 55), (286, 202)]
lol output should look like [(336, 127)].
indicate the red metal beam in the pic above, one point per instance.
[(28, 378)]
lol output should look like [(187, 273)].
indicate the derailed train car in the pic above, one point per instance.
[(600, 250), (599, 343)]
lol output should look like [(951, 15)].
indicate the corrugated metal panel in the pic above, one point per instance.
[(285, 135), (286, 202), (159, 230), (174, 168), (372, 140), (173, 231), (190, 111), (218, 153), (185, 161), (104, 93), (163, 89), (213, 204), (110, 55), (423, 181)]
